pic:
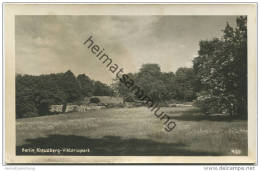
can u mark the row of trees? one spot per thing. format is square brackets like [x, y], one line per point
[160, 86]
[34, 94]
[217, 80]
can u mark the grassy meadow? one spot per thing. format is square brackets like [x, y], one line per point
[134, 131]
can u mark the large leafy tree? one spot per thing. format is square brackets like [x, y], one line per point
[25, 104]
[68, 83]
[101, 89]
[222, 69]
[34, 94]
[86, 85]
[171, 88]
[120, 89]
[149, 79]
[160, 86]
[185, 81]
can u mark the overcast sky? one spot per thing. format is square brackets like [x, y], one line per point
[52, 44]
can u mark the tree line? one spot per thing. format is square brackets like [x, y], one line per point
[158, 86]
[217, 81]
[34, 94]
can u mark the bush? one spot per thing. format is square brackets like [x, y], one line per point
[207, 103]
[94, 100]
[129, 99]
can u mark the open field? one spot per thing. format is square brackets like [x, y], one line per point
[134, 131]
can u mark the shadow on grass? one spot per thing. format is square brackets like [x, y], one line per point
[197, 115]
[108, 146]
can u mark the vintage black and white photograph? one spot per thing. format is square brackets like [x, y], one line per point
[131, 85]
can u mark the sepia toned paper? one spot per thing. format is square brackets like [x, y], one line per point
[54, 38]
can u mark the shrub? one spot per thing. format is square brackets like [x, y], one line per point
[129, 99]
[207, 103]
[94, 100]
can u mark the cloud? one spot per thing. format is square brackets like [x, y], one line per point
[47, 44]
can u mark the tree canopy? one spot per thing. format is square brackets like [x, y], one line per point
[222, 70]
[34, 94]
[160, 86]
